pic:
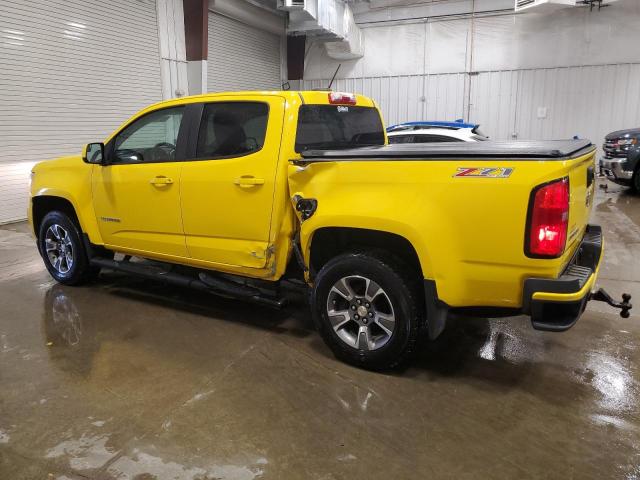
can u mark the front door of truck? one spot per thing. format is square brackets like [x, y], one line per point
[137, 195]
[227, 189]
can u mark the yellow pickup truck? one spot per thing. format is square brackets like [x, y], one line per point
[238, 193]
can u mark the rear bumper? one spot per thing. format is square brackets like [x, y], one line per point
[614, 170]
[556, 304]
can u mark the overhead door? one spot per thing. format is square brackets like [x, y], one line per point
[72, 71]
[241, 57]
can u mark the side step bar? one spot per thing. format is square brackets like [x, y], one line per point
[205, 282]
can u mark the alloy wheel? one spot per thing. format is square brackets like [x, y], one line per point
[59, 248]
[361, 313]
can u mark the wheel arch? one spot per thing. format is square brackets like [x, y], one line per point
[327, 242]
[43, 204]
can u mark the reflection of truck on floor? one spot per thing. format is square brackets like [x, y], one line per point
[236, 193]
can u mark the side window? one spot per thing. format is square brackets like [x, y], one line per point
[435, 139]
[232, 129]
[152, 138]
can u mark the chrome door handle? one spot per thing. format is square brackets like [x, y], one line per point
[248, 181]
[161, 180]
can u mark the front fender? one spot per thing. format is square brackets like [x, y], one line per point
[68, 178]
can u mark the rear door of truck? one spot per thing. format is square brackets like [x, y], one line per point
[227, 185]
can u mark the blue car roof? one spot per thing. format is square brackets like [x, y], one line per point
[456, 124]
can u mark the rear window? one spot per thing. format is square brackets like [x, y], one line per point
[322, 127]
[231, 129]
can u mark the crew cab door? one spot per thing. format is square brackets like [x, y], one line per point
[136, 196]
[227, 189]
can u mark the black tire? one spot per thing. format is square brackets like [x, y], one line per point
[79, 271]
[399, 290]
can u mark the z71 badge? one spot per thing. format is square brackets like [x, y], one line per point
[485, 172]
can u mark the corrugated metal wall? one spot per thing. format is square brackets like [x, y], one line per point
[550, 103]
[407, 97]
[241, 56]
[72, 71]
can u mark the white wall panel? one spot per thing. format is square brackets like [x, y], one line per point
[506, 41]
[568, 37]
[447, 46]
[405, 98]
[493, 100]
[241, 56]
[72, 71]
[14, 185]
[585, 101]
[444, 96]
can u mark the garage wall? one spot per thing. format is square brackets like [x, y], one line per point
[405, 97]
[525, 76]
[242, 56]
[72, 71]
[588, 101]
[488, 42]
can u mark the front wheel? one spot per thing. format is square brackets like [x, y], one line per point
[61, 248]
[367, 310]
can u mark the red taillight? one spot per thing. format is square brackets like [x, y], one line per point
[548, 220]
[338, 98]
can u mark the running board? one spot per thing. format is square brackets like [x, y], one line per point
[204, 282]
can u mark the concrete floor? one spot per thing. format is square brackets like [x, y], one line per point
[128, 380]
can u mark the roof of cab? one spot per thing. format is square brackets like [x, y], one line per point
[313, 97]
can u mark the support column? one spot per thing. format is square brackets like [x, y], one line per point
[196, 29]
[295, 57]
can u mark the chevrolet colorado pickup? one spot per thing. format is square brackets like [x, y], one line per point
[239, 193]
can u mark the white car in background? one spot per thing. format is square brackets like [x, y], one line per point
[430, 132]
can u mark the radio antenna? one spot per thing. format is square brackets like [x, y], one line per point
[334, 76]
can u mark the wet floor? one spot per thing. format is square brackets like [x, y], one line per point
[124, 379]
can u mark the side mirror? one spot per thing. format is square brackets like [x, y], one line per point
[93, 153]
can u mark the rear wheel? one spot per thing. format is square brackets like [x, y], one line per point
[367, 310]
[61, 248]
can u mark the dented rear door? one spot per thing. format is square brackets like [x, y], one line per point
[228, 187]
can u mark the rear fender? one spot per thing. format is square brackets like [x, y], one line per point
[314, 224]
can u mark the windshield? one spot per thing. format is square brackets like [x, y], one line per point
[322, 127]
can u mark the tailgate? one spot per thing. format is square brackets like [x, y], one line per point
[582, 191]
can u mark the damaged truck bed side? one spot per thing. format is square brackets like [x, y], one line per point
[259, 188]
[470, 211]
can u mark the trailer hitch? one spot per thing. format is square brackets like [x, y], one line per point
[602, 296]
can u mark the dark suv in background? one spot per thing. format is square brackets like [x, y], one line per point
[621, 162]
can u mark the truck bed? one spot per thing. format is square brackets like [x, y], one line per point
[512, 150]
